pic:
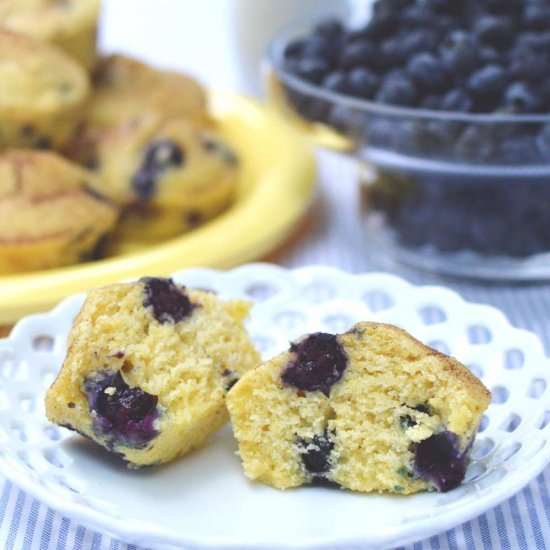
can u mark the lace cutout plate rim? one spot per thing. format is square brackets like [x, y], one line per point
[185, 504]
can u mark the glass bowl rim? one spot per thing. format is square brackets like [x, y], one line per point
[275, 60]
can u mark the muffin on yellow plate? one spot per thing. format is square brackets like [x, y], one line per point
[69, 24]
[168, 175]
[125, 89]
[42, 93]
[51, 214]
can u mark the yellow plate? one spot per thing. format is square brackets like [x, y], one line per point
[276, 188]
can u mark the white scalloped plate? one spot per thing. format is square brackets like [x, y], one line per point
[204, 501]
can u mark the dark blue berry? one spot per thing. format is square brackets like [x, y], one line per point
[543, 142]
[294, 49]
[359, 54]
[427, 72]
[520, 151]
[160, 155]
[536, 16]
[392, 54]
[487, 82]
[316, 453]
[336, 82]
[440, 461]
[168, 302]
[432, 102]
[362, 83]
[521, 98]
[123, 414]
[382, 24]
[397, 90]
[417, 42]
[329, 28]
[416, 16]
[473, 145]
[494, 31]
[529, 66]
[311, 69]
[490, 56]
[456, 100]
[319, 47]
[318, 362]
[459, 52]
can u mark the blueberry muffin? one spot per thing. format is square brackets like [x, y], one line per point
[69, 24]
[42, 93]
[369, 410]
[168, 175]
[126, 89]
[148, 367]
[51, 213]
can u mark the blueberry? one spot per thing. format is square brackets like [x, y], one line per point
[494, 31]
[317, 363]
[536, 16]
[336, 82]
[444, 6]
[534, 41]
[456, 100]
[529, 66]
[438, 460]
[381, 132]
[294, 49]
[123, 414]
[316, 453]
[432, 102]
[473, 145]
[427, 72]
[416, 16]
[383, 23]
[357, 54]
[490, 56]
[168, 302]
[459, 52]
[319, 47]
[329, 28]
[160, 155]
[417, 42]
[487, 82]
[520, 151]
[362, 83]
[521, 98]
[397, 90]
[392, 53]
[543, 142]
[311, 69]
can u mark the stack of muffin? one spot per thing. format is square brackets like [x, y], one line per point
[95, 150]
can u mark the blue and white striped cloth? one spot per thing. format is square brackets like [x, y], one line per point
[521, 523]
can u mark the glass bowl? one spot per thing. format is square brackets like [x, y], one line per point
[458, 194]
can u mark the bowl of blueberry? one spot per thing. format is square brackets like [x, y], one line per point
[446, 104]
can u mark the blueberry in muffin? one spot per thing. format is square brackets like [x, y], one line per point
[372, 409]
[148, 366]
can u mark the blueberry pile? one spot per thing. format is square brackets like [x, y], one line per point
[467, 56]
[454, 213]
